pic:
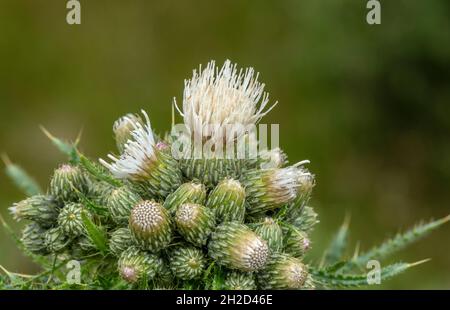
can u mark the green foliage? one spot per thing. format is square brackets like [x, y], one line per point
[21, 178]
[338, 245]
[400, 241]
[70, 149]
[328, 278]
[97, 171]
[96, 234]
[391, 246]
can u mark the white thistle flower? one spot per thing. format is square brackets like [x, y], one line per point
[221, 97]
[138, 152]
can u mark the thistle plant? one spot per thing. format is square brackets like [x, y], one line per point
[151, 217]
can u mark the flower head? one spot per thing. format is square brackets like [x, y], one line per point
[283, 272]
[187, 262]
[150, 225]
[225, 96]
[269, 189]
[235, 246]
[138, 151]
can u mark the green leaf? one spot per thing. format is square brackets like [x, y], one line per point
[328, 279]
[70, 149]
[97, 171]
[338, 245]
[399, 242]
[95, 208]
[21, 178]
[95, 233]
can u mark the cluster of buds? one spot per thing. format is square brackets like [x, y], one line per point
[172, 222]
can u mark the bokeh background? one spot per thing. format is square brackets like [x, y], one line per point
[368, 105]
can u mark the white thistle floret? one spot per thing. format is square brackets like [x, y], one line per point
[221, 97]
[138, 152]
[286, 182]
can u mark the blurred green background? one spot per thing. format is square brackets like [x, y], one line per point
[368, 105]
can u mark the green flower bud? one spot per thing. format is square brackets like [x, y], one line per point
[235, 246]
[239, 281]
[270, 189]
[192, 192]
[187, 262]
[123, 128]
[195, 223]
[119, 202]
[40, 209]
[33, 239]
[67, 181]
[306, 220]
[150, 225]
[270, 231]
[120, 240]
[297, 206]
[283, 272]
[55, 240]
[165, 278]
[135, 264]
[227, 200]
[70, 220]
[296, 242]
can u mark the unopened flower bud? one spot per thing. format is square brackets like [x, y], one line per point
[195, 223]
[67, 182]
[270, 231]
[187, 262]
[239, 281]
[191, 192]
[150, 225]
[135, 264]
[306, 219]
[165, 277]
[123, 128]
[228, 201]
[283, 272]
[235, 246]
[120, 240]
[40, 209]
[33, 239]
[269, 189]
[70, 219]
[119, 202]
[297, 242]
[55, 240]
